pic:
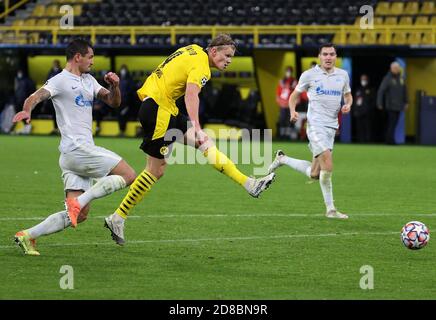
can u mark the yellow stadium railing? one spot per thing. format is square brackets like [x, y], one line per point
[384, 32]
[8, 9]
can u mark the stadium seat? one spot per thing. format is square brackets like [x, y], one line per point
[29, 22]
[414, 37]
[396, 8]
[406, 20]
[433, 20]
[390, 21]
[378, 21]
[383, 8]
[52, 11]
[18, 22]
[337, 39]
[39, 11]
[53, 22]
[77, 9]
[381, 39]
[369, 37]
[399, 38]
[43, 22]
[354, 37]
[411, 8]
[428, 38]
[421, 20]
[427, 7]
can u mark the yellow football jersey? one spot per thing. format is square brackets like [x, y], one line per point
[167, 83]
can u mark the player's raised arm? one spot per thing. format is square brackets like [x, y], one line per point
[111, 97]
[30, 103]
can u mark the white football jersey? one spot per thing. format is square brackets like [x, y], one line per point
[73, 99]
[325, 91]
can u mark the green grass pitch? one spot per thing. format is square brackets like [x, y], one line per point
[198, 235]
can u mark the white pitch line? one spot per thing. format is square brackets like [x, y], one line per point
[290, 215]
[42, 218]
[285, 236]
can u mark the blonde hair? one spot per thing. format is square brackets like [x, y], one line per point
[223, 39]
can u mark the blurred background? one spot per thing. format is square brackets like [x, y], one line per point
[277, 41]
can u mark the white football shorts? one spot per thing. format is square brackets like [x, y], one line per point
[87, 162]
[320, 139]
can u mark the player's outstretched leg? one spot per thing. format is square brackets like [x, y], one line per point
[226, 166]
[301, 166]
[26, 243]
[277, 161]
[26, 239]
[139, 188]
[105, 186]
[256, 186]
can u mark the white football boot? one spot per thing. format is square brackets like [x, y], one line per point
[277, 161]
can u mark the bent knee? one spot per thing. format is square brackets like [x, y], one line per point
[130, 177]
[160, 173]
[314, 174]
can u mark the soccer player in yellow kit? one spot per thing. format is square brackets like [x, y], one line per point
[184, 72]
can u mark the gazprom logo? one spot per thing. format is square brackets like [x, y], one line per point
[320, 90]
[81, 102]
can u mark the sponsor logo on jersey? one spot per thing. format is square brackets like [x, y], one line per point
[328, 92]
[81, 102]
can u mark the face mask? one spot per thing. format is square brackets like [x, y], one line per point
[19, 75]
[288, 74]
[123, 72]
[363, 83]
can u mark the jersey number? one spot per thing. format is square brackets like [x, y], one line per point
[189, 49]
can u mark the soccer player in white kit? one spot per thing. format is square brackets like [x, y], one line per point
[326, 85]
[72, 92]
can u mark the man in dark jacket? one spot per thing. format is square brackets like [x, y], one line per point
[392, 96]
[128, 108]
[363, 108]
[23, 87]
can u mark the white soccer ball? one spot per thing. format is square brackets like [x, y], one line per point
[415, 235]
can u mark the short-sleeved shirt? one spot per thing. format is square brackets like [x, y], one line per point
[325, 92]
[73, 98]
[167, 83]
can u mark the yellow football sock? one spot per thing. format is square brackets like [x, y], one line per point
[142, 184]
[224, 165]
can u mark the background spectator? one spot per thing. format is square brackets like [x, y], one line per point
[284, 89]
[363, 109]
[23, 87]
[127, 109]
[392, 97]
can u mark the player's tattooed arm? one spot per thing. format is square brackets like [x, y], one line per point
[30, 103]
[35, 98]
